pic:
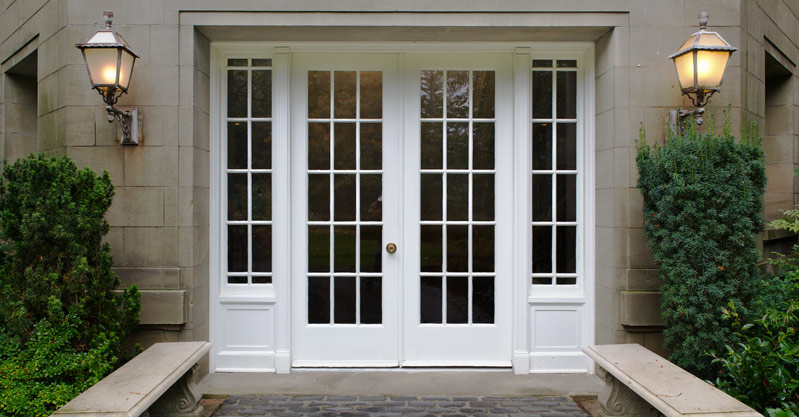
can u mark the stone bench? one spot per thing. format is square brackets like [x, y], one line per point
[161, 381]
[640, 383]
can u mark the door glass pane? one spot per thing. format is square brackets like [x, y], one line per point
[318, 300]
[456, 246]
[483, 304]
[237, 145]
[346, 175]
[262, 145]
[262, 93]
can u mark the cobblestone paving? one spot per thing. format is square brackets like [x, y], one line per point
[396, 406]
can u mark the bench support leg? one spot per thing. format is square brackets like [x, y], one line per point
[618, 400]
[182, 399]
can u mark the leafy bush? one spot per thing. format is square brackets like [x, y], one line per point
[61, 323]
[761, 367]
[702, 202]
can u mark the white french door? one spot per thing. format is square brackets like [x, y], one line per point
[401, 209]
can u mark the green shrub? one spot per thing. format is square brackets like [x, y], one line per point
[61, 323]
[702, 202]
[761, 366]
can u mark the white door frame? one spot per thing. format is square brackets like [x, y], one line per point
[269, 307]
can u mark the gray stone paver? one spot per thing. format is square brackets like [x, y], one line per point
[395, 406]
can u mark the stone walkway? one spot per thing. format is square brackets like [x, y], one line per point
[397, 406]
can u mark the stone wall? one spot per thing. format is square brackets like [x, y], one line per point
[160, 217]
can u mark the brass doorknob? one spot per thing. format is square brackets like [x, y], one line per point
[391, 248]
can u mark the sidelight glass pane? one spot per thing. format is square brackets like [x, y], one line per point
[567, 95]
[432, 88]
[567, 241]
[430, 248]
[432, 145]
[237, 145]
[371, 94]
[261, 196]
[542, 94]
[430, 289]
[261, 145]
[457, 197]
[371, 300]
[237, 62]
[483, 248]
[371, 248]
[457, 146]
[567, 146]
[318, 146]
[483, 94]
[457, 248]
[542, 146]
[542, 63]
[542, 198]
[237, 93]
[237, 280]
[371, 198]
[483, 300]
[237, 196]
[263, 62]
[457, 299]
[483, 146]
[344, 97]
[567, 63]
[458, 94]
[542, 249]
[483, 197]
[431, 197]
[237, 248]
[318, 94]
[318, 197]
[344, 147]
[567, 198]
[371, 146]
[262, 93]
[344, 300]
[261, 248]
[318, 300]
[344, 195]
[318, 249]
[344, 248]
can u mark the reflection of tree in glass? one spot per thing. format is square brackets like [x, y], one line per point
[483, 94]
[458, 94]
[344, 98]
[237, 93]
[318, 94]
[432, 86]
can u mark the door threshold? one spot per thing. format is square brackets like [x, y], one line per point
[406, 369]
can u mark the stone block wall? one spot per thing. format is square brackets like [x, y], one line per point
[160, 216]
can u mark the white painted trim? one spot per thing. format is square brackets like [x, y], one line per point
[279, 359]
[521, 204]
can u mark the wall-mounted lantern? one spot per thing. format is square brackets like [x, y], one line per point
[109, 60]
[701, 63]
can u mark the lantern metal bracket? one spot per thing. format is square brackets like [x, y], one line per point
[128, 123]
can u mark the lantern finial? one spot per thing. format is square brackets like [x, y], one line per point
[108, 18]
[703, 20]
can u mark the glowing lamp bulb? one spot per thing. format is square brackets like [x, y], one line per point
[109, 75]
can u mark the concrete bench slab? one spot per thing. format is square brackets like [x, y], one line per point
[162, 379]
[638, 381]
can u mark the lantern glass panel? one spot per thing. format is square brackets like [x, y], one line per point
[710, 39]
[125, 68]
[102, 64]
[102, 37]
[688, 43]
[710, 67]
[685, 70]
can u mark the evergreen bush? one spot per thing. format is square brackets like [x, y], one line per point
[702, 202]
[61, 322]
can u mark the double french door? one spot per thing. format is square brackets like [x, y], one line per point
[401, 199]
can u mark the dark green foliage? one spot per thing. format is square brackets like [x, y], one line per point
[61, 324]
[702, 203]
[761, 366]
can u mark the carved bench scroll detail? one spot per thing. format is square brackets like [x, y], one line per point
[618, 400]
[181, 399]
